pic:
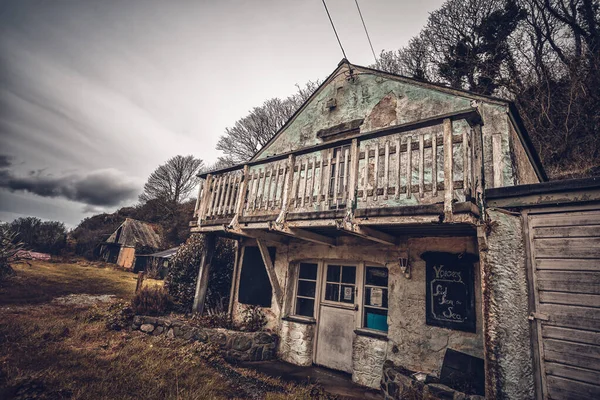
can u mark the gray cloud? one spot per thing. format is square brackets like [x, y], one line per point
[5, 161]
[105, 187]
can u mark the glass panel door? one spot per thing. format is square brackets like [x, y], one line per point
[340, 283]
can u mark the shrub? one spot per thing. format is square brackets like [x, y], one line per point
[9, 247]
[151, 301]
[183, 272]
[253, 319]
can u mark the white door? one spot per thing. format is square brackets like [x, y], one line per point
[337, 313]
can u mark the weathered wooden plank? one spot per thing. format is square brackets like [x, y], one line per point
[569, 281]
[434, 168]
[567, 389]
[497, 160]
[230, 180]
[575, 299]
[336, 181]
[566, 219]
[206, 196]
[574, 335]
[278, 176]
[345, 178]
[567, 247]
[319, 183]
[219, 183]
[576, 354]
[242, 192]
[575, 373]
[376, 173]
[448, 170]
[328, 178]
[567, 231]
[353, 177]
[408, 168]
[304, 184]
[366, 174]
[398, 169]
[571, 316]
[572, 264]
[386, 170]
[421, 165]
[312, 182]
[297, 185]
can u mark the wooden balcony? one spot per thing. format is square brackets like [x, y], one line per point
[424, 172]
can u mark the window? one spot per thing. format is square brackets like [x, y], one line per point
[255, 286]
[306, 290]
[376, 298]
[340, 283]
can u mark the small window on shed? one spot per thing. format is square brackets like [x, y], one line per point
[255, 287]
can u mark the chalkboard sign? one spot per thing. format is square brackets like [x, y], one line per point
[450, 290]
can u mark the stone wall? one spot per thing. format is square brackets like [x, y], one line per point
[509, 371]
[368, 356]
[296, 345]
[398, 383]
[240, 346]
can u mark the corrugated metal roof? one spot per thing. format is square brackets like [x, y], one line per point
[164, 254]
[135, 233]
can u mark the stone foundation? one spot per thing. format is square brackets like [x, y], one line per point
[236, 346]
[368, 356]
[297, 342]
[397, 383]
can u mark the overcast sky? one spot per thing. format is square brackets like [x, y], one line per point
[94, 95]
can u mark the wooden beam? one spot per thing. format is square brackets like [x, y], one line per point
[256, 234]
[366, 232]
[203, 273]
[448, 170]
[264, 252]
[303, 234]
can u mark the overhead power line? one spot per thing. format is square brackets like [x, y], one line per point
[334, 31]
[366, 32]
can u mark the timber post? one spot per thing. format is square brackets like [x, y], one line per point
[203, 273]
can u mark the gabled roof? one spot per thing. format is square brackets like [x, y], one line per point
[344, 66]
[135, 233]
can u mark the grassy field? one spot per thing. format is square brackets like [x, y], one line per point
[50, 350]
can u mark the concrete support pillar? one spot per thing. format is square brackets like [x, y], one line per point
[508, 357]
[203, 273]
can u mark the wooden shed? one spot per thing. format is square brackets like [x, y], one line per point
[121, 246]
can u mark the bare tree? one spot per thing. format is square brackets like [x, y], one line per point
[173, 181]
[250, 133]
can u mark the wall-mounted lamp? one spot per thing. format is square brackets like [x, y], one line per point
[404, 265]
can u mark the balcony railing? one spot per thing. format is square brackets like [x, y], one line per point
[437, 160]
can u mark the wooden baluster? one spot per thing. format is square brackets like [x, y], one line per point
[399, 167]
[263, 190]
[269, 189]
[275, 190]
[215, 206]
[408, 167]
[376, 172]
[421, 165]
[235, 193]
[284, 174]
[319, 183]
[386, 170]
[470, 156]
[366, 180]
[250, 185]
[228, 185]
[297, 184]
[465, 148]
[448, 170]
[336, 182]
[312, 181]
[256, 189]
[434, 170]
[304, 183]
[353, 174]
[345, 178]
[328, 178]
[242, 191]
[206, 195]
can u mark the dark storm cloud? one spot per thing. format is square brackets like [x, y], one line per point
[107, 187]
[5, 161]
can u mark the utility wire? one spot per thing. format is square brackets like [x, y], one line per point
[365, 26]
[334, 31]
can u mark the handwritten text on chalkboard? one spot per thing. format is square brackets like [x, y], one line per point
[450, 291]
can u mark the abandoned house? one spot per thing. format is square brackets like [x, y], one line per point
[366, 236]
[131, 235]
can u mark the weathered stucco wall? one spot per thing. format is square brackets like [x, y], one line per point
[507, 336]
[411, 343]
[368, 356]
[384, 101]
[523, 170]
[296, 344]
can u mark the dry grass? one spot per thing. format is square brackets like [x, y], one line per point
[53, 351]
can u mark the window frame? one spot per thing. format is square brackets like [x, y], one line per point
[363, 304]
[297, 284]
